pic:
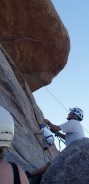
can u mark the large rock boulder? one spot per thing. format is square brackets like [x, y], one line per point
[35, 38]
[20, 102]
[34, 48]
[70, 166]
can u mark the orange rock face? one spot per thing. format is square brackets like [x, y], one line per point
[35, 38]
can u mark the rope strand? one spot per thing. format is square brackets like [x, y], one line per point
[56, 99]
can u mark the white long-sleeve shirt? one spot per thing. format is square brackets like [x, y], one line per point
[73, 130]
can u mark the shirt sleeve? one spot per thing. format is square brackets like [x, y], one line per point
[67, 127]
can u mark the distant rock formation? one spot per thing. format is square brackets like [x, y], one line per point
[71, 165]
[35, 38]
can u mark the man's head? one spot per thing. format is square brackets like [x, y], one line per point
[76, 113]
[6, 128]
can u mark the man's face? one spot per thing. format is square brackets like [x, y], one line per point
[70, 115]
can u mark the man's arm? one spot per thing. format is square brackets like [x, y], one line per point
[41, 170]
[58, 134]
[53, 128]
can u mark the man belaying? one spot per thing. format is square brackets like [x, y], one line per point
[72, 128]
[73, 131]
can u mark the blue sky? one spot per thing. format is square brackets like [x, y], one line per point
[71, 85]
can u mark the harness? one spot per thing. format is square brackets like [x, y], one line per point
[48, 137]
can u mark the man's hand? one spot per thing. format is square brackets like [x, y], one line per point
[47, 122]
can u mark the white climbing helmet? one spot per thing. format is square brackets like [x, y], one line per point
[79, 113]
[6, 128]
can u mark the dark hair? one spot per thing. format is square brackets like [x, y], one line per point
[2, 149]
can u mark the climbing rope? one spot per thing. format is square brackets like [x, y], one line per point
[44, 156]
[56, 99]
[60, 140]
